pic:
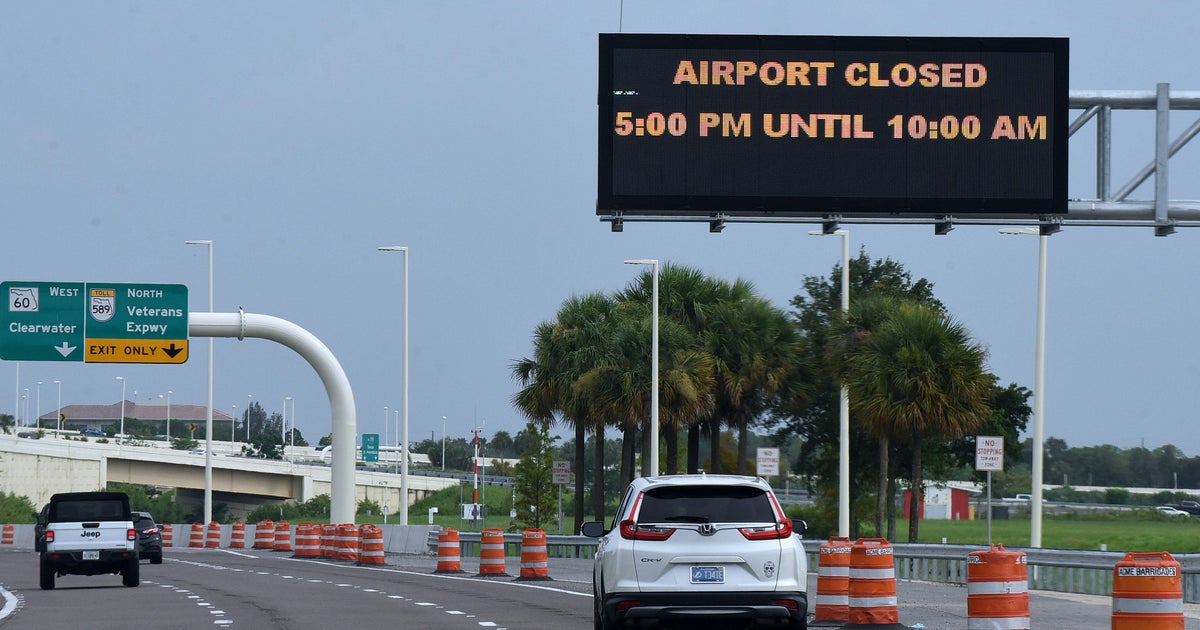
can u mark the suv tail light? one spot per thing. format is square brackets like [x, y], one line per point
[131, 534]
[49, 535]
[150, 531]
[782, 529]
[632, 531]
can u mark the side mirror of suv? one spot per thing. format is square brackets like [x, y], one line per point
[799, 526]
[592, 529]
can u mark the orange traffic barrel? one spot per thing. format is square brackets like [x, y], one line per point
[167, 535]
[534, 561]
[308, 541]
[449, 552]
[372, 545]
[491, 552]
[6, 538]
[872, 588]
[997, 590]
[264, 535]
[1147, 592]
[197, 537]
[329, 540]
[347, 542]
[283, 536]
[237, 537]
[833, 580]
[214, 535]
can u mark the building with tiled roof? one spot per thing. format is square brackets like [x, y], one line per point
[100, 417]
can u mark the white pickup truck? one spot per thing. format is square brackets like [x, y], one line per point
[87, 533]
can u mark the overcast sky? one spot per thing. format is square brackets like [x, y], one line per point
[300, 136]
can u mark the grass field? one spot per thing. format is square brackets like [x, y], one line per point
[1136, 531]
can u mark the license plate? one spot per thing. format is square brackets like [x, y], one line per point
[91, 555]
[708, 575]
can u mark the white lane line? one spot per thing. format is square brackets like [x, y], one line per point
[238, 553]
[10, 603]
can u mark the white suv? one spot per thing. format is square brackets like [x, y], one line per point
[695, 547]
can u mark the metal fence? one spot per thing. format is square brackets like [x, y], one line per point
[1061, 570]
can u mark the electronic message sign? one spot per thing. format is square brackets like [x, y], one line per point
[745, 125]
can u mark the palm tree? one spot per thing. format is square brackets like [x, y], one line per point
[619, 386]
[920, 375]
[563, 350]
[756, 349]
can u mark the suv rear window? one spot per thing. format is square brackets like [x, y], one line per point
[705, 504]
[88, 510]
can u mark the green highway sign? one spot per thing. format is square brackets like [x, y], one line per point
[94, 322]
[43, 321]
[370, 447]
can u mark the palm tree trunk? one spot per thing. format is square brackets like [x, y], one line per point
[598, 480]
[882, 487]
[714, 439]
[918, 493]
[580, 473]
[693, 448]
[671, 435]
[743, 462]
[627, 447]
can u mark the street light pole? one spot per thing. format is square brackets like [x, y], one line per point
[169, 392]
[38, 422]
[843, 401]
[397, 432]
[208, 425]
[387, 417]
[443, 443]
[1039, 388]
[248, 398]
[653, 365]
[403, 507]
[121, 437]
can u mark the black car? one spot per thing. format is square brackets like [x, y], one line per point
[149, 537]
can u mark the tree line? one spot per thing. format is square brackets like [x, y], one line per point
[730, 361]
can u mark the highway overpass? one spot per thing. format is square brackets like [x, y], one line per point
[38, 468]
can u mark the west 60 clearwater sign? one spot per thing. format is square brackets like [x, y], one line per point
[94, 322]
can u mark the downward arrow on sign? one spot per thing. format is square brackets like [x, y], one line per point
[172, 350]
[64, 349]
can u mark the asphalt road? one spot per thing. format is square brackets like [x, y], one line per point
[219, 588]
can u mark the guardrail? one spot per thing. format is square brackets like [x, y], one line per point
[1060, 570]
